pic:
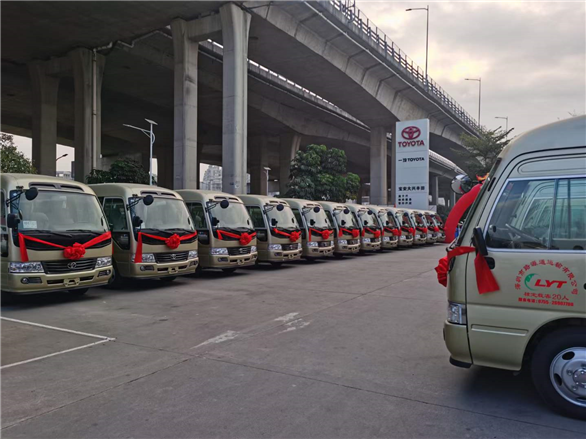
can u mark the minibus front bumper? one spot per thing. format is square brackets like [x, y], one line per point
[318, 251]
[33, 283]
[280, 255]
[406, 241]
[145, 270]
[431, 238]
[420, 239]
[390, 242]
[456, 339]
[372, 245]
[347, 246]
[232, 261]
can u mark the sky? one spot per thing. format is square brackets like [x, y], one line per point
[531, 57]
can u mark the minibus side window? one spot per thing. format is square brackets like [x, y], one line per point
[299, 221]
[4, 243]
[199, 221]
[116, 214]
[569, 219]
[258, 222]
[330, 218]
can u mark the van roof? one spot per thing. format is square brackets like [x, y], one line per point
[567, 133]
[105, 189]
[250, 198]
[332, 205]
[10, 181]
[188, 194]
[298, 202]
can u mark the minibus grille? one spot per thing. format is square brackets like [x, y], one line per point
[287, 247]
[60, 267]
[325, 243]
[235, 251]
[165, 258]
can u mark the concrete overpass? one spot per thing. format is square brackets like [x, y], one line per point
[142, 68]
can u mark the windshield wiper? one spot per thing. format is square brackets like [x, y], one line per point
[179, 229]
[84, 231]
[51, 232]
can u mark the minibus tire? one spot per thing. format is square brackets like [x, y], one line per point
[8, 298]
[116, 281]
[78, 292]
[545, 352]
[168, 278]
[228, 270]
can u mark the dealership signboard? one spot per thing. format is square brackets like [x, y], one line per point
[412, 164]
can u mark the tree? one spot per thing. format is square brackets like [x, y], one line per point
[484, 149]
[319, 173]
[12, 160]
[124, 170]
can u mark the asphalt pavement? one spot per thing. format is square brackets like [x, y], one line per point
[329, 349]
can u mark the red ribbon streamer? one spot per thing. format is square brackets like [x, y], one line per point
[324, 234]
[409, 230]
[172, 242]
[458, 211]
[293, 236]
[355, 233]
[422, 229]
[435, 229]
[376, 233]
[485, 280]
[73, 252]
[243, 238]
[393, 230]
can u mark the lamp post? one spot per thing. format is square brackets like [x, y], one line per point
[61, 156]
[151, 136]
[506, 118]
[426, 38]
[479, 93]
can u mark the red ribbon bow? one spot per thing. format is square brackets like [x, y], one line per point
[409, 230]
[435, 229]
[172, 242]
[325, 234]
[354, 232]
[73, 252]
[243, 238]
[293, 236]
[394, 231]
[422, 229]
[485, 280]
[376, 233]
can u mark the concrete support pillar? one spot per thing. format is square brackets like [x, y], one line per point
[235, 27]
[290, 144]
[434, 188]
[378, 165]
[394, 189]
[259, 161]
[88, 71]
[164, 168]
[45, 89]
[452, 199]
[360, 194]
[186, 51]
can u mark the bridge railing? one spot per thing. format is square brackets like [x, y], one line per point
[379, 39]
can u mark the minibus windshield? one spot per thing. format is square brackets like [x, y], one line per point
[369, 219]
[283, 219]
[418, 219]
[390, 220]
[60, 211]
[430, 220]
[405, 219]
[235, 216]
[316, 219]
[168, 214]
[438, 220]
[345, 219]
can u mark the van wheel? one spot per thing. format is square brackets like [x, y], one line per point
[8, 298]
[228, 270]
[79, 291]
[168, 278]
[116, 281]
[558, 369]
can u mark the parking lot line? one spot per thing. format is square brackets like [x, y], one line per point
[54, 328]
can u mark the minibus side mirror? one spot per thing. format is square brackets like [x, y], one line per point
[274, 222]
[31, 193]
[136, 221]
[312, 222]
[148, 200]
[479, 242]
[346, 211]
[215, 222]
[224, 204]
[370, 212]
[12, 220]
[316, 209]
[343, 222]
[280, 207]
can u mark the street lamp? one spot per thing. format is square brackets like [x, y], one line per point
[506, 118]
[61, 156]
[426, 37]
[479, 93]
[151, 136]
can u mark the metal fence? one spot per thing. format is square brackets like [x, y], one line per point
[370, 32]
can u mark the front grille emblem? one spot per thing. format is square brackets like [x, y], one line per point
[72, 265]
[173, 256]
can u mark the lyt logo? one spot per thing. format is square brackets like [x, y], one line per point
[543, 283]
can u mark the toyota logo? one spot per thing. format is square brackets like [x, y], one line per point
[173, 256]
[72, 265]
[411, 133]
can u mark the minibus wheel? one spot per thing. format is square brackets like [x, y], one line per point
[78, 292]
[168, 278]
[116, 281]
[228, 270]
[558, 369]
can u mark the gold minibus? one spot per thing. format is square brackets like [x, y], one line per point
[153, 234]
[370, 234]
[389, 226]
[439, 225]
[432, 229]
[520, 302]
[227, 238]
[406, 225]
[278, 234]
[418, 220]
[346, 229]
[54, 236]
[316, 230]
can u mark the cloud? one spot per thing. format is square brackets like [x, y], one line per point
[531, 55]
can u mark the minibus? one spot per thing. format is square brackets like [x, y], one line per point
[404, 221]
[278, 235]
[439, 225]
[417, 218]
[227, 239]
[346, 229]
[54, 236]
[152, 232]
[391, 231]
[520, 302]
[317, 232]
[370, 234]
[432, 228]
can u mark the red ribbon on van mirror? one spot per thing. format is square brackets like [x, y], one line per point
[73, 252]
[243, 238]
[485, 280]
[293, 236]
[172, 242]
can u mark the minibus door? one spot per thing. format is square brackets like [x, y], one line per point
[260, 227]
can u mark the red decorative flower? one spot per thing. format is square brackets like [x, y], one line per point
[75, 252]
[442, 271]
[294, 236]
[245, 238]
[173, 241]
[376, 233]
[325, 234]
[355, 233]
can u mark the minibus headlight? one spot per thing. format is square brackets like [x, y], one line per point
[402, 237]
[253, 249]
[104, 262]
[365, 239]
[146, 257]
[456, 313]
[192, 254]
[312, 244]
[342, 241]
[275, 247]
[219, 251]
[25, 267]
[386, 238]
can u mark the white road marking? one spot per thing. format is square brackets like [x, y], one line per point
[296, 324]
[287, 317]
[54, 328]
[228, 335]
[56, 353]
